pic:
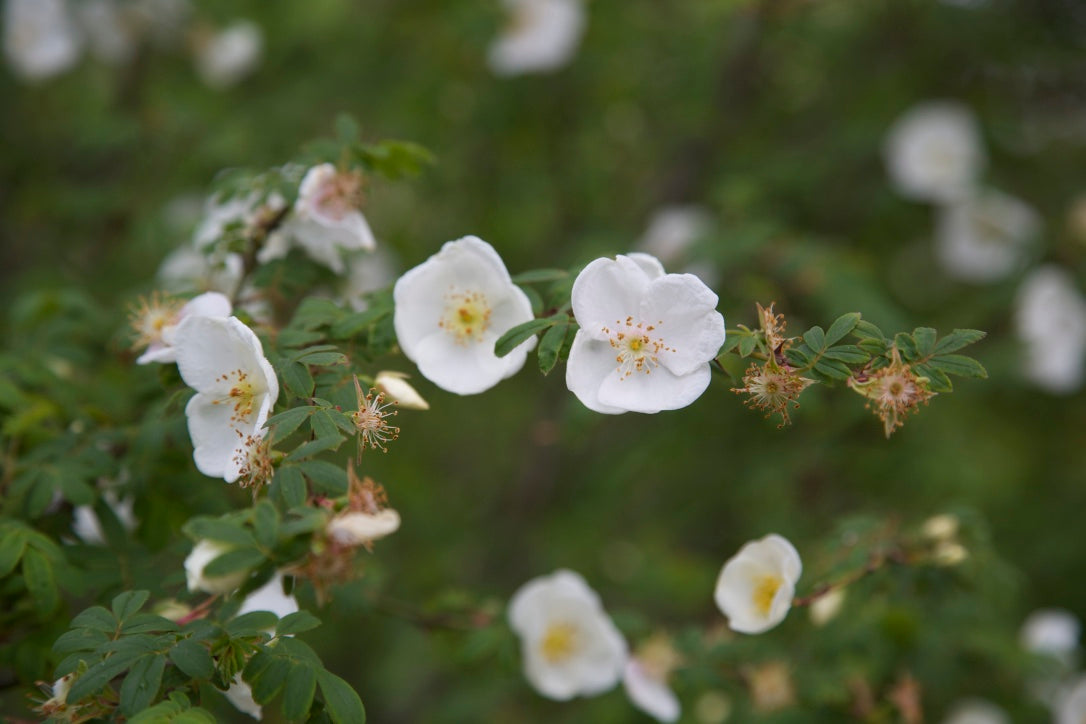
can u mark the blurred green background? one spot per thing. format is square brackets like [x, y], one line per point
[771, 116]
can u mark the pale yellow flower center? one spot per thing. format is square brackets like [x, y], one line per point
[638, 349]
[241, 396]
[765, 590]
[466, 316]
[559, 642]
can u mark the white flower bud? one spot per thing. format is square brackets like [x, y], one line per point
[396, 388]
[203, 553]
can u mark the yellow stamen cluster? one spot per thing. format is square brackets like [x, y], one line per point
[374, 432]
[466, 316]
[559, 642]
[241, 396]
[772, 388]
[892, 392]
[638, 350]
[254, 462]
[765, 589]
[150, 316]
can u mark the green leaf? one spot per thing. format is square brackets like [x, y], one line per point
[142, 683]
[271, 680]
[95, 678]
[841, 327]
[730, 343]
[815, 338]
[12, 545]
[867, 330]
[340, 700]
[80, 639]
[355, 322]
[325, 476]
[266, 523]
[193, 659]
[238, 559]
[296, 623]
[324, 426]
[937, 379]
[297, 379]
[540, 275]
[299, 691]
[958, 339]
[127, 603]
[518, 334]
[833, 369]
[289, 483]
[906, 345]
[960, 365]
[284, 423]
[875, 347]
[313, 447]
[550, 347]
[321, 358]
[847, 353]
[746, 345]
[217, 529]
[147, 623]
[251, 623]
[347, 130]
[925, 341]
[40, 581]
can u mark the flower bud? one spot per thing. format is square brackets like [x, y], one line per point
[203, 553]
[397, 389]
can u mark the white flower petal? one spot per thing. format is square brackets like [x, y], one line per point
[270, 597]
[606, 292]
[756, 585]
[654, 392]
[986, 236]
[543, 36]
[240, 695]
[357, 528]
[694, 329]
[933, 152]
[203, 553]
[40, 38]
[590, 362]
[650, 695]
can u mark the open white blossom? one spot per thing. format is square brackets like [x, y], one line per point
[327, 218]
[1051, 323]
[645, 679]
[226, 57]
[203, 553]
[87, 526]
[355, 528]
[934, 152]
[223, 361]
[270, 597]
[646, 337]
[569, 645]
[976, 711]
[985, 236]
[452, 308]
[756, 585]
[240, 695]
[160, 332]
[40, 38]
[1052, 632]
[542, 36]
[826, 607]
[1071, 706]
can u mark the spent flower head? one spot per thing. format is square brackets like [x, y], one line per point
[371, 419]
[892, 391]
[772, 388]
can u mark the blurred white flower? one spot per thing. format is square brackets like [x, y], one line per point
[1051, 323]
[396, 388]
[1053, 632]
[270, 597]
[240, 695]
[672, 230]
[225, 58]
[645, 679]
[366, 272]
[356, 528]
[452, 308]
[1071, 706]
[223, 361]
[40, 38]
[942, 527]
[976, 711]
[826, 607]
[756, 585]
[542, 36]
[112, 33]
[934, 153]
[569, 645]
[88, 528]
[159, 331]
[241, 213]
[985, 236]
[203, 553]
[646, 337]
[327, 221]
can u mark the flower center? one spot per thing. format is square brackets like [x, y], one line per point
[559, 642]
[637, 348]
[241, 395]
[466, 316]
[765, 589]
[339, 195]
[151, 316]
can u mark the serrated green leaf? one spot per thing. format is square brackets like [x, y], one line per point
[271, 680]
[299, 691]
[147, 623]
[296, 623]
[324, 426]
[141, 684]
[925, 341]
[40, 581]
[340, 700]
[219, 530]
[519, 334]
[297, 649]
[285, 423]
[193, 659]
[252, 623]
[232, 561]
[355, 322]
[550, 347]
[730, 343]
[266, 523]
[906, 345]
[95, 678]
[958, 339]
[841, 327]
[325, 476]
[876, 347]
[867, 330]
[833, 369]
[297, 379]
[799, 356]
[746, 345]
[289, 485]
[847, 353]
[12, 545]
[80, 639]
[306, 521]
[540, 275]
[311, 448]
[322, 359]
[960, 365]
[937, 379]
[815, 338]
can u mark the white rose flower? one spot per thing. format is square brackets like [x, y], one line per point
[646, 337]
[355, 528]
[826, 607]
[570, 646]
[203, 553]
[160, 333]
[270, 597]
[228, 56]
[1071, 707]
[40, 38]
[327, 221]
[240, 695]
[452, 308]
[934, 153]
[985, 237]
[756, 585]
[1051, 322]
[542, 36]
[1052, 632]
[223, 361]
[976, 711]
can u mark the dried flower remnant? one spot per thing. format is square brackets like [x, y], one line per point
[374, 432]
[773, 328]
[771, 687]
[892, 391]
[253, 461]
[772, 388]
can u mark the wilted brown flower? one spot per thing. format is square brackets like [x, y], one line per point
[893, 391]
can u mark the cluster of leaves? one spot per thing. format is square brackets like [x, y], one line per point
[553, 321]
[159, 658]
